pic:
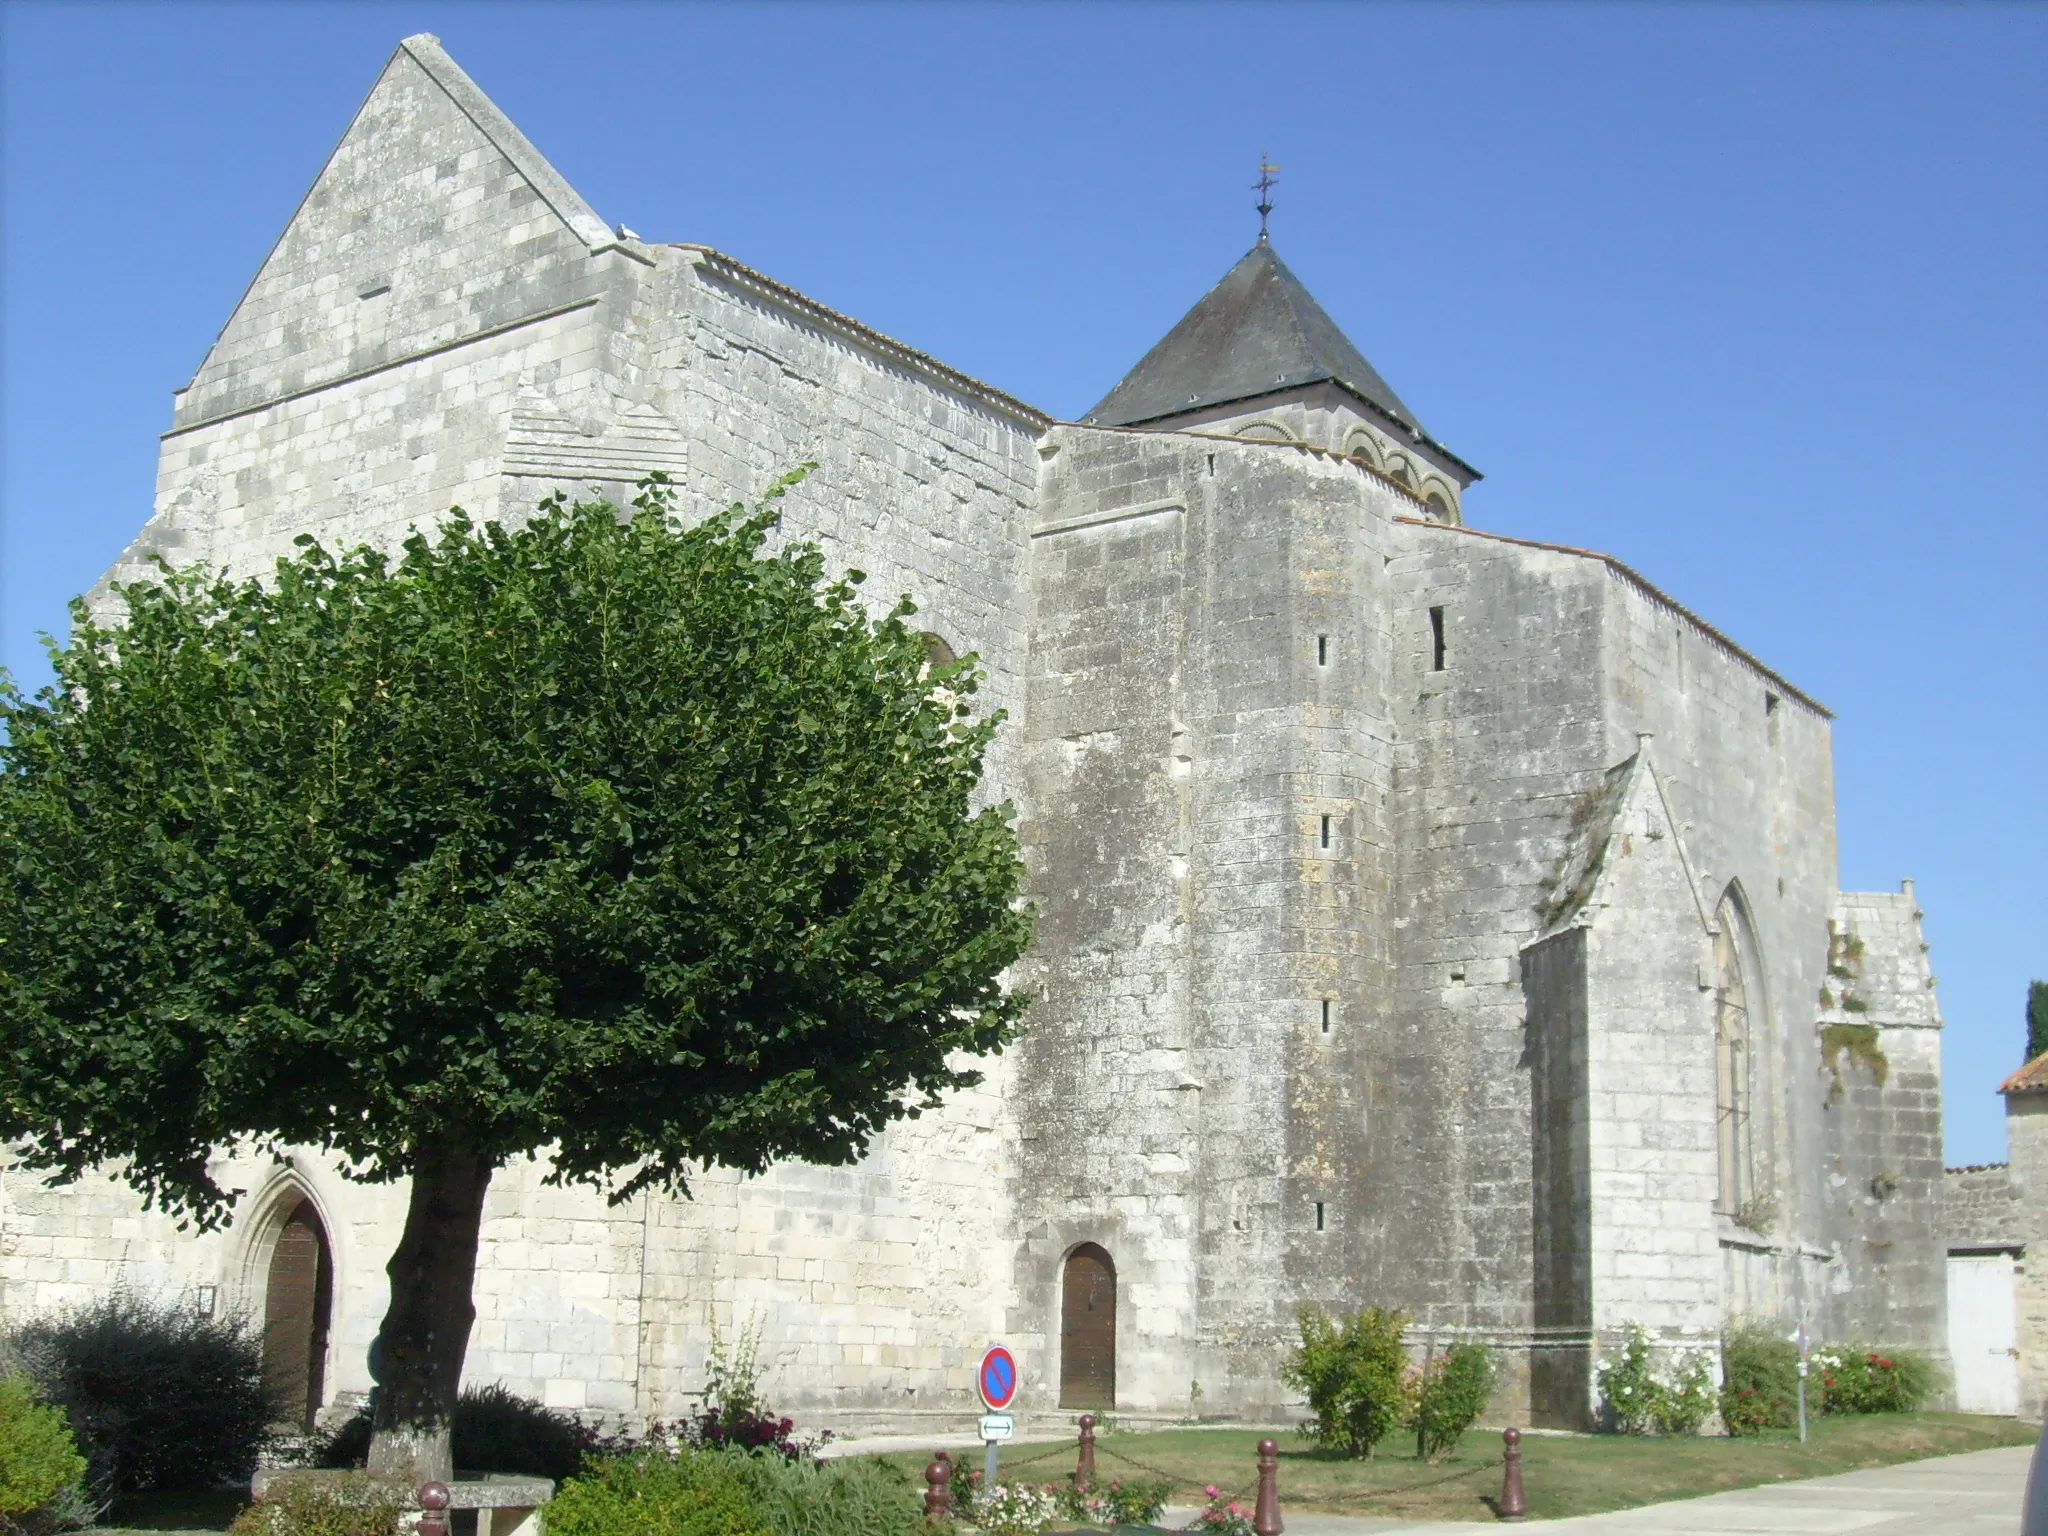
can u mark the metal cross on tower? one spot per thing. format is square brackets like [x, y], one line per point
[1264, 187]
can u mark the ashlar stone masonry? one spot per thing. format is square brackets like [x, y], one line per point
[1430, 918]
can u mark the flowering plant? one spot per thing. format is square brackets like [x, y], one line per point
[1224, 1516]
[1628, 1386]
[1686, 1399]
[1856, 1380]
[1013, 1509]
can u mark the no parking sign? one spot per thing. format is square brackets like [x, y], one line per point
[996, 1381]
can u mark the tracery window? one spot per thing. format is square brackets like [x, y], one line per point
[1740, 1118]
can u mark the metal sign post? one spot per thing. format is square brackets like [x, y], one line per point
[996, 1381]
[1799, 1338]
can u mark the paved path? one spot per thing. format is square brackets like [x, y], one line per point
[1976, 1494]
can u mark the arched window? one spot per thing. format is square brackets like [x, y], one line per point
[1439, 508]
[1741, 1110]
[1359, 445]
[1088, 1330]
[298, 1305]
[1263, 432]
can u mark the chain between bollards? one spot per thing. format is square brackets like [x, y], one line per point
[1512, 1506]
[1084, 1468]
[433, 1509]
[1266, 1513]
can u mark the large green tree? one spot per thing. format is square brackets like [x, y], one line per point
[636, 843]
[2037, 1018]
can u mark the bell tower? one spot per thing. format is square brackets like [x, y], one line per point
[1258, 358]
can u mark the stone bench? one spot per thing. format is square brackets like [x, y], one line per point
[503, 1503]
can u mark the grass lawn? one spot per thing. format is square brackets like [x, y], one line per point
[1562, 1475]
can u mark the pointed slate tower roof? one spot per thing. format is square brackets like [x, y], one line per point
[1256, 332]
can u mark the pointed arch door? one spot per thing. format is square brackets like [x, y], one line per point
[298, 1306]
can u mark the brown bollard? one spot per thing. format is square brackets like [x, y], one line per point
[938, 1498]
[1266, 1513]
[433, 1509]
[1512, 1505]
[1084, 1469]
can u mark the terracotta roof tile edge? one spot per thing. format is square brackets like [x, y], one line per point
[924, 362]
[1976, 1168]
[2032, 1078]
[1641, 584]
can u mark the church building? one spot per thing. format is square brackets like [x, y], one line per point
[1428, 918]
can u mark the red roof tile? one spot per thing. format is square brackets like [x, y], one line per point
[2032, 1078]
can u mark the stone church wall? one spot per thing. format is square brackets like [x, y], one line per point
[506, 357]
[1496, 746]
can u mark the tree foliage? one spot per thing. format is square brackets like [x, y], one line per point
[603, 833]
[2037, 1018]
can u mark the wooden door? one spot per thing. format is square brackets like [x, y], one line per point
[1088, 1330]
[297, 1304]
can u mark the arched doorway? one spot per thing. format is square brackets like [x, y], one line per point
[1088, 1330]
[298, 1305]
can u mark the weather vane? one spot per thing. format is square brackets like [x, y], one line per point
[1264, 187]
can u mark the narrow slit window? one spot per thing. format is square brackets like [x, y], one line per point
[1319, 1215]
[1212, 464]
[1326, 1015]
[1436, 639]
[1322, 650]
[1325, 834]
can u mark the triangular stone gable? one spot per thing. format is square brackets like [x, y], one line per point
[1622, 828]
[433, 220]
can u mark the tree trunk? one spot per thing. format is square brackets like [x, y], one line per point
[426, 1331]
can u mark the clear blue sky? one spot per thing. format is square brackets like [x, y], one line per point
[1754, 297]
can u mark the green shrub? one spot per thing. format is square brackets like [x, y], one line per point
[653, 1493]
[494, 1430]
[157, 1395]
[38, 1458]
[1354, 1373]
[850, 1497]
[1854, 1379]
[1454, 1391]
[1133, 1501]
[1759, 1380]
[1628, 1386]
[356, 1506]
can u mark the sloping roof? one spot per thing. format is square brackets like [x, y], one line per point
[1255, 332]
[1586, 843]
[2032, 1078]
